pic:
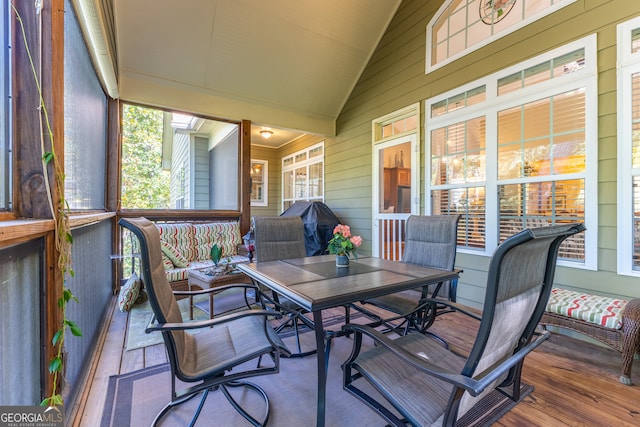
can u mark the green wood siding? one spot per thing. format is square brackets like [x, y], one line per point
[274, 179]
[395, 78]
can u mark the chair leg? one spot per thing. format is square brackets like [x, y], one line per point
[630, 338]
[240, 409]
[197, 414]
[176, 402]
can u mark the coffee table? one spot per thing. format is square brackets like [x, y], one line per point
[204, 278]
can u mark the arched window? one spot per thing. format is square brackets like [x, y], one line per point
[462, 26]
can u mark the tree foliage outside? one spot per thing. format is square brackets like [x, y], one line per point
[145, 185]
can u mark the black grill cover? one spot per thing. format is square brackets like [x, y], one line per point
[319, 222]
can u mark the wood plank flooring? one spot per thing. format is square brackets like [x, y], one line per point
[576, 383]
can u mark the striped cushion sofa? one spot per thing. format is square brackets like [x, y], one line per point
[187, 246]
[614, 322]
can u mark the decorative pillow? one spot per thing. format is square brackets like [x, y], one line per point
[168, 265]
[174, 255]
[129, 293]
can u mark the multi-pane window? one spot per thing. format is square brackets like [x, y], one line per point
[629, 148]
[5, 108]
[462, 26]
[303, 176]
[458, 167]
[521, 154]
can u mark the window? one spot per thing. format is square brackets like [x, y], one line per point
[462, 26]
[259, 183]
[518, 150]
[303, 176]
[178, 161]
[629, 148]
[5, 109]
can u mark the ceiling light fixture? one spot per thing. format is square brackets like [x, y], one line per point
[266, 133]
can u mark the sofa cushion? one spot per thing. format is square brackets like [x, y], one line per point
[595, 309]
[181, 237]
[225, 234]
[174, 255]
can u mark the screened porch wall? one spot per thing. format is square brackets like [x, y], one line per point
[20, 323]
[92, 284]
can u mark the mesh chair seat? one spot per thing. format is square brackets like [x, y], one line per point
[242, 342]
[399, 302]
[423, 399]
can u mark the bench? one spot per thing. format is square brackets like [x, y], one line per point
[613, 322]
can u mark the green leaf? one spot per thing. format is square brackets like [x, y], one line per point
[47, 157]
[69, 238]
[56, 337]
[216, 254]
[67, 295]
[75, 330]
[54, 400]
[55, 365]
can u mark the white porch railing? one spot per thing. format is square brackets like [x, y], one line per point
[391, 229]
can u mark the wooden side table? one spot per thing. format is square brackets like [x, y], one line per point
[200, 278]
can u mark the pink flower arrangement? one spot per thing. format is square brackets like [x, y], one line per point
[343, 243]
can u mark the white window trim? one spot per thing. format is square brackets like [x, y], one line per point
[628, 64]
[265, 184]
[308, 161]
[586, 77]
[432, 67]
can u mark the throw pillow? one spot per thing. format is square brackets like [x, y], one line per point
[129, 293]
[174, 255]
[168, 265]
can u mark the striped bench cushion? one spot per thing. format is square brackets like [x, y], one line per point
[595, 309]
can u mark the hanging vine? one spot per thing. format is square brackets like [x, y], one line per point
[62, 230]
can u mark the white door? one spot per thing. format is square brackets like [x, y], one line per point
[395, 193]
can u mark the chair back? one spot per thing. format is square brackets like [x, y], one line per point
[279, 237]
[519, 283]
[163, 302]
[431, 241]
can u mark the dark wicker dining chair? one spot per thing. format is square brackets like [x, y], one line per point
[430, 241]
[279, 238]
[428, 384]
[210, 359]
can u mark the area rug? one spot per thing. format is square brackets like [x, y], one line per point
[134, 399]
[141, 314]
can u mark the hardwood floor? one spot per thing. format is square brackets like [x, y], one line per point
[576, 383]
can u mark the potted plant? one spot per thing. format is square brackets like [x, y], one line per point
[343, 245]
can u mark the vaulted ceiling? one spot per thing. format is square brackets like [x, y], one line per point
[287, 64]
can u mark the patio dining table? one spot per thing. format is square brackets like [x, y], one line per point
[316, 284]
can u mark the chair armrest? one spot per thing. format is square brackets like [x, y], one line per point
[163, 327]
[216, 289]
[473, 386]
[453, 305]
